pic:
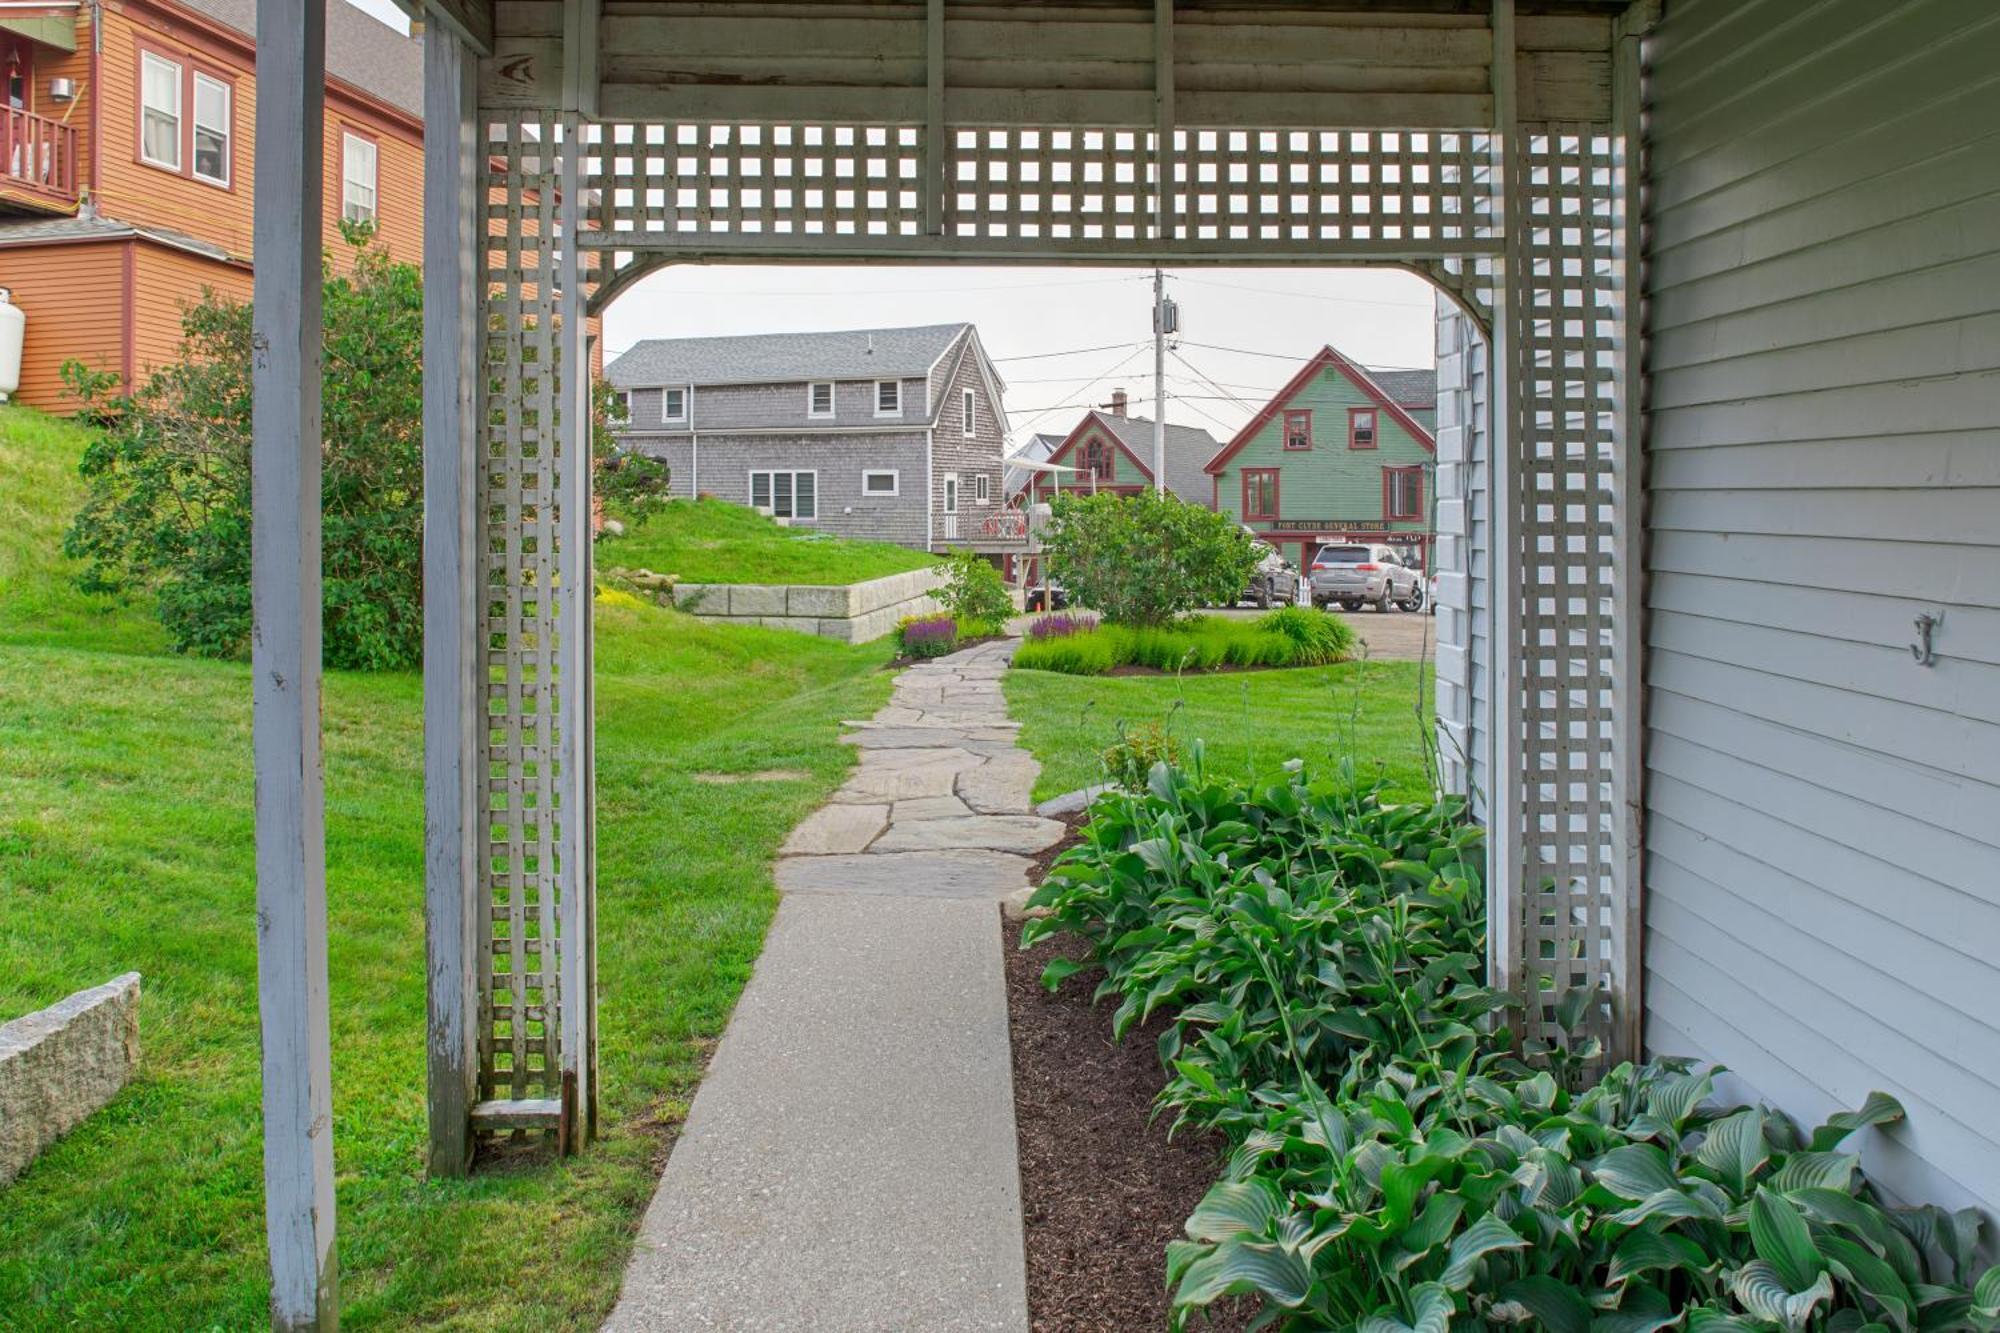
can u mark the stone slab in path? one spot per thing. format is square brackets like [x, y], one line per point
[836, 828]
[961, 873]
[1026, 834]
[849, 1163]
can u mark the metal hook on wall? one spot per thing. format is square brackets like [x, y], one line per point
[1922, 650]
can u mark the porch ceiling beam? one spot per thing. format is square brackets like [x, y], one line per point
[471, 21]
[292, 994]
[1163, 131]
[935, 154]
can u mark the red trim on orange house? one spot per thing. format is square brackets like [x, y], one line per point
[128, 317]
[1277, 481]
[1388, 516]
[1355, 375]
[1354, 414]
[1305, 416]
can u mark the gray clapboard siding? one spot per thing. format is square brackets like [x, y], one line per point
[1462, 716]
[1823, 852]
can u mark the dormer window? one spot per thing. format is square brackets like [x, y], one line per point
[673, 405]
[888, 398]
[819, 399]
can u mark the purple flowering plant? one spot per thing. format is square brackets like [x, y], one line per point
[1060, 625]
[928, 636]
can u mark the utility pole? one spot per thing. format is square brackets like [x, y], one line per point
[1166, 319]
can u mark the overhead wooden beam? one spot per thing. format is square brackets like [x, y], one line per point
[452, 697]
[471, 21]
[285, 665]
[1163, 136]
[579, 60]
[936, 150]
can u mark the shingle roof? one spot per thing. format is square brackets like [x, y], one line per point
[1188, 449]
[781, 358]
[88, 227]
[1034, 449]
[1408, 388]
[360, 49]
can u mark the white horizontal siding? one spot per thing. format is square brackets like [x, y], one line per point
[1823, 814]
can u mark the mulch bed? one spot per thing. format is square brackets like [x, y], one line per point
[1102, 1188]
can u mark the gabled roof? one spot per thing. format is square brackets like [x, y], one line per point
[361, 50]
[1414, 389]
[1036, 449]
[1356, 374]
[1187, 447]
[784, 358]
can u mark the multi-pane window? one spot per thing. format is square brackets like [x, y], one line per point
[1260, 492]
[888, 398]
[160, 111]
[211, 129]
[1402, 492]
[357, 178]
[982, 489]
[951, 492]
[971, 408]
[786, 494]
[1299, 430]
[1097, 460]
[1361, 428]
[673, 404]
[819, 399]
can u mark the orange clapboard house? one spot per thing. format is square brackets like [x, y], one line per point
[127, 165]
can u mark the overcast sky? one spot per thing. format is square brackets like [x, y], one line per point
[1064, 338]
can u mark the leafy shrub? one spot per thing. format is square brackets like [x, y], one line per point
[1128, 761]
[973, 590]
[1318, 637]
[1394, 1168]
[1060, 625]
[926, 636]
[635, 483]
[1144, 559]
[166, 506]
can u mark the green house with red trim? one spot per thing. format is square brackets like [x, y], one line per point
[1341, 453]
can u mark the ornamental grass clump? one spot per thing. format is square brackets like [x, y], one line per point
[1292, 637]
[926, 636]
[1319, 956]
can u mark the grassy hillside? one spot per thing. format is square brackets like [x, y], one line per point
[125, 843]
[711, 541]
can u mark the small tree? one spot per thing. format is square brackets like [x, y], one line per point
[634, 482]
[1144, 559]
[973, 591]
[166, 504]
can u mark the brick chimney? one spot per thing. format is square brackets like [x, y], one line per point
[1118, 402]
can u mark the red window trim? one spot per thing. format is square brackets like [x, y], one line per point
[1374, 428]
[190, 65]
[1292, 414]
[1277, 482]
[1388, 490]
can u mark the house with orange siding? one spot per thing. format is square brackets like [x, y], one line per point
[128, 162]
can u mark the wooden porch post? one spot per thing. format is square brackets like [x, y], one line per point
[452, 696]
[285, 665]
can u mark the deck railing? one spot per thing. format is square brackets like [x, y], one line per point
[39, 153]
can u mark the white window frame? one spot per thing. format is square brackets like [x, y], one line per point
[771, 490]
[895, 477]
[178, 114]
[982, 492]
[226, 130]
[895, 411]
[832, 401]
[971, 414]
[668, 417]
[350, 183]
[951, 492]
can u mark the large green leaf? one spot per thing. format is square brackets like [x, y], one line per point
[1431, 1308]
[1645, 1251]
[1243, 1268]
[1986, 1294]
[1782, 1239]
[1816, 1170]
[1483, 1237]
[1555, 1304]
[1879, 1109]
[1735, 1147]
[1235, 1208]
[1765, 1294]
[1866, 1272]
[1634, 1172]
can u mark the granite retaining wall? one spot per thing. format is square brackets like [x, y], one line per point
[852, 613]
[59, 1064]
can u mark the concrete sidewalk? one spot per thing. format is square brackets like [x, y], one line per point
[849, 1163]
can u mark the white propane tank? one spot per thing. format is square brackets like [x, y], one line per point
[13, 324]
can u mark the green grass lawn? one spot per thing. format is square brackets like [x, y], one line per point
[125, 843]
[1248, 722]
[711, 541]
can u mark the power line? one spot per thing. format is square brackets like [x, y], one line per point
[1074, 351]
[1203, 377]
[1303, 296]
[1292, 357]
[1081, 397]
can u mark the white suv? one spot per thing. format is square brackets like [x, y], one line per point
[1351, 573]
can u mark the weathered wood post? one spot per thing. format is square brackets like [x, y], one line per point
[452, 695]
[285, 665]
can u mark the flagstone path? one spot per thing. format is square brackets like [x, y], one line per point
[849, 1162]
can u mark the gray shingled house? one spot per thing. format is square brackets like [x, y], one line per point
[887, 434]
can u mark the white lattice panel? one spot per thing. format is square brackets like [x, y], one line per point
[1566, 495]
[525, 536]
